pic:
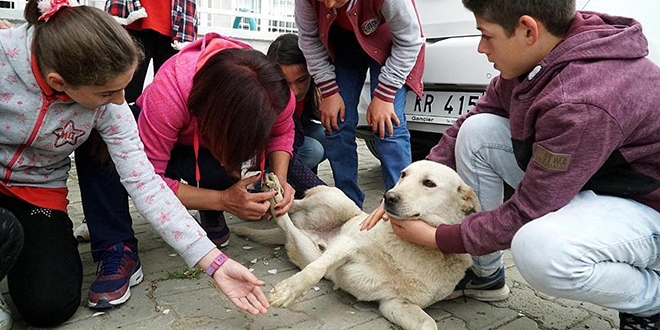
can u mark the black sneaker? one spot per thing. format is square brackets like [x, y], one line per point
[632, 322]
[213, 222]
[487, 288]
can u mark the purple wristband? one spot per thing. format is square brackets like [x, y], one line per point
[216, 263]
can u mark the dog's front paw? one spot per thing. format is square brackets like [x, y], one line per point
[286, 292]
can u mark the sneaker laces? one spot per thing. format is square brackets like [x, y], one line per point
[110, 263]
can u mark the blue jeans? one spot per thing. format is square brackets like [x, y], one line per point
[599, 249]
[484, 160]
[312, 151]
[351, 64]
[104, 199]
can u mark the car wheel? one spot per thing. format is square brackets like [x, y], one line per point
[364, 133]
[420, 142]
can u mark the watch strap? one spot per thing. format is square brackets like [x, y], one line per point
[216, 263]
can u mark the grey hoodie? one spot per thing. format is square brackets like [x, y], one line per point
[41, 129]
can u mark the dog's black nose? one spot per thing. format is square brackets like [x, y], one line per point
[391, 198]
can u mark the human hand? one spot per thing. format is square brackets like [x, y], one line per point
[381, 117]
[331, 108]
[373, 218]
[415, 231]
[241, 287]
[285, 204]
[5, 24]
[245, 205]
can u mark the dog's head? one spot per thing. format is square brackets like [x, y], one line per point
[431, 192]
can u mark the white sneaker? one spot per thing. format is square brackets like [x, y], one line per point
[5, 315]
[81, 233]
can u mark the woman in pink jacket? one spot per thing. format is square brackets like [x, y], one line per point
[211, 109]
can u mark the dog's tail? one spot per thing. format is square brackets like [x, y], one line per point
[267, 236]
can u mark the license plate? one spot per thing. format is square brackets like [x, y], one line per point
[439, 107]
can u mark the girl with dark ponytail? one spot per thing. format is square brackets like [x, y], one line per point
[63, 74]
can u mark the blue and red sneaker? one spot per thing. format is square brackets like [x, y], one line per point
[118, 270]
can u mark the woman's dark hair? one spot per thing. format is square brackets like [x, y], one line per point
[285, 51]
[236, 97]
[83, 44]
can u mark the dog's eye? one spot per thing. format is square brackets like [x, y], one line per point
[429, 183]
[403, 174]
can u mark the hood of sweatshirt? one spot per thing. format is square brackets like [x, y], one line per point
[591, 37]
[15, 48]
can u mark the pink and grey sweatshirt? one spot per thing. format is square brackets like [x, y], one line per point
[583, 119]
[165, 119]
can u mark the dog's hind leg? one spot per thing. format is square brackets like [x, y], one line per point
[407, 315]
[287, 291]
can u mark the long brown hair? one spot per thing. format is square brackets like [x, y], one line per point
[236, 97]
[83, 44]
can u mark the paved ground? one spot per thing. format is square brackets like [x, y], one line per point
[173, 297]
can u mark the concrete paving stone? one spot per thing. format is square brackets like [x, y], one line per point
[202, 301]
[597, 323]
[307, 324]
[477, 314]
[522, 323]
[155, 321]
[452, 323]
[206, 323]
[332, 314]
[609, 315]
[82, 320]
[159, 262]
[436, 312]
[283, 318]
[547, 313]
[166, 288]
[376, 324]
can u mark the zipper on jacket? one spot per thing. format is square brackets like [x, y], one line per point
[48, 100]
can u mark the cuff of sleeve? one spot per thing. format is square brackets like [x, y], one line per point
[385, 92]
[195, 252]
[449, 239]
[328, 88]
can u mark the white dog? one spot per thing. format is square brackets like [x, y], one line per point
[323, 238]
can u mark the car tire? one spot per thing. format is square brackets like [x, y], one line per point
[420, 142]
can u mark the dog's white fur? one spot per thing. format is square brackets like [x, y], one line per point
[323, 239]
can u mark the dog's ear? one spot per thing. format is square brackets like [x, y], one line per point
[470, 202]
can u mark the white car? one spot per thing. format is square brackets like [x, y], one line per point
[456, 75]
